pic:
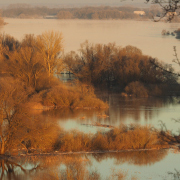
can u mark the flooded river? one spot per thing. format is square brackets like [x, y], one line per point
[155, 164]
[145, 35]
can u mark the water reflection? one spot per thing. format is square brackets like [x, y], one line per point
[10, 169]
[139, 158]
[136, 108]
[80, 166]
[174, 175]
[144, 111]
[141, 34]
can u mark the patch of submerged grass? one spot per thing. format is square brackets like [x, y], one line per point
[121, 138]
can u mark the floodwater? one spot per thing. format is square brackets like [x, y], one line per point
[155, 164]
[140, 111]
[145, 35]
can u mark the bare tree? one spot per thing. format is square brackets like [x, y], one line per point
[12, 93]
[50, 47]
[170, 8]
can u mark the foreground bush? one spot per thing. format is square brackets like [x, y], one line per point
[122, 138]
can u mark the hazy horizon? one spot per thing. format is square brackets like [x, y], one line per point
[140, 3]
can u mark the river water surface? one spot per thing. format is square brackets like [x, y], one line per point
[145, 35]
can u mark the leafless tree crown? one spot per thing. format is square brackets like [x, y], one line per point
[170, 7]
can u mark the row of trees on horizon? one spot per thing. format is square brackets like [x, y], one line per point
[100, 12]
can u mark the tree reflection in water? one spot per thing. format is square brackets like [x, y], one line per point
[139, 158]
[123, 108]
[175, 175]
[73, 166]
[11, 170]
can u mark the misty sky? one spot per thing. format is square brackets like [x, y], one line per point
[55, 1]
[7, 2]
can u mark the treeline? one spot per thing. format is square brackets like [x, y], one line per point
[98, 13]
[106, 12]
[126, 68]
[25, 11]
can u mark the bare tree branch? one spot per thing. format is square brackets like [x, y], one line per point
[169, 8]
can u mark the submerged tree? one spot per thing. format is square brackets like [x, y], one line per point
[111, 65]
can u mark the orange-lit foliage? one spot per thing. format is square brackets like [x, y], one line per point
[124, 137]
[76, 96]
[32, 60]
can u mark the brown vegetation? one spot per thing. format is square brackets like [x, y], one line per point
[34, 61]
[27, 70]
[115, 67]
[136, 89]
[122, 138]
[101, 12]
[76, 96]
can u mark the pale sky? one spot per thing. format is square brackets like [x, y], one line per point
[120, 2]
[55, 1]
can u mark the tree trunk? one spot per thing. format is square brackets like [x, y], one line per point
[2, 145]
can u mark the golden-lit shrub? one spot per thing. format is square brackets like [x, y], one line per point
[100, 142]
[133, 137]
[75, 141]
[124, 137]
[72, 96]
